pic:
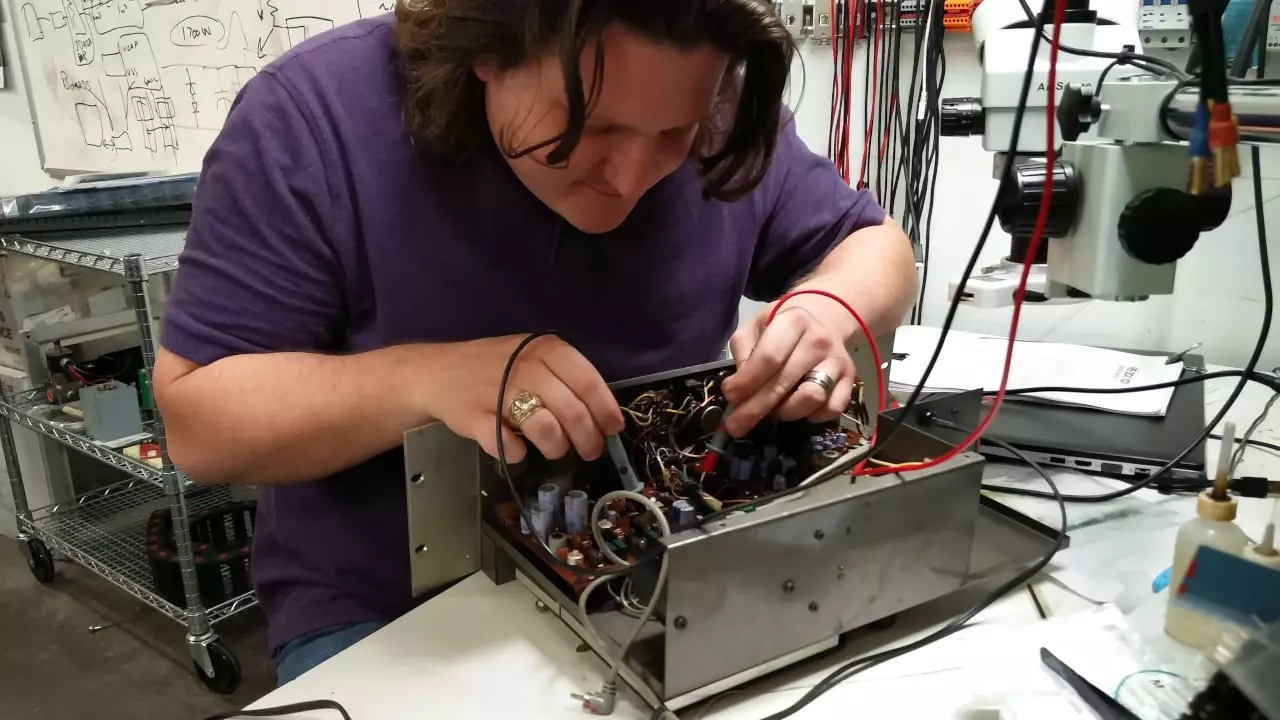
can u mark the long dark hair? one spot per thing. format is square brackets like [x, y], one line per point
[440, 42]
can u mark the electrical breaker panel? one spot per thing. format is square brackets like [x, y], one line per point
[1273, 27]
[1165, 24]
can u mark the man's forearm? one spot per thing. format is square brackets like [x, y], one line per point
[874, 271]
[288, 417]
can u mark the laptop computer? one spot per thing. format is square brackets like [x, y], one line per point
[1124, 446]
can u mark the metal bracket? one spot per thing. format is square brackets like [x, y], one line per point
[199, 649]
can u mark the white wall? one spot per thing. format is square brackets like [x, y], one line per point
[19, 159]
[1218, 296]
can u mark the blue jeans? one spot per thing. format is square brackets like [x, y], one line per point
[301, 654]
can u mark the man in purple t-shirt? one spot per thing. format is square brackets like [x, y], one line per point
[393, 204]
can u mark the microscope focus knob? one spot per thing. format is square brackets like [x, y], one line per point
[1018, 205]
[1159, 226]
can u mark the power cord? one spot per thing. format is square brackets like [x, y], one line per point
[294, 709]
[1264, 379]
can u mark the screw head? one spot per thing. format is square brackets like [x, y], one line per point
[416, 479]
[420, 549]
[788, 586]
[681, 622]
[813, 607]
[840, 576]
[819, 534]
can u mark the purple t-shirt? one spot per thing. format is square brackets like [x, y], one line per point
[318, 227]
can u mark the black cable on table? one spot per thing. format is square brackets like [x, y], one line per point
[1252, 443]
[282, 710]
[858, 665]
[1264, 379]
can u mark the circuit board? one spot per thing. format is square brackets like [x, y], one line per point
[669, 422]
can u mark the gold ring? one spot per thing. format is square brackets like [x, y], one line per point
[523, 407]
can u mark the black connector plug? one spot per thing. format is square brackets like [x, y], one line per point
[1254, 487]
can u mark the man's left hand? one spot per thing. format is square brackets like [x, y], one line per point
[773, 359]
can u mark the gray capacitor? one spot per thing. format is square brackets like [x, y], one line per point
[683, 514]
[551, 497]
[611, 515]
[524, 522]
[770, 453]
[779, 483]
[575, 512]
[543, 520]
[739, 469]
[557, 540]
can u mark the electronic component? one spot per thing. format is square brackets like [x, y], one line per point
[1164, 24]
[576, 509]
[111, 411]
[551, 498]
[543, 520]
[824, 561]
[61, 389]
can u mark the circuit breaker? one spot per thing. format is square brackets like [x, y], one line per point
[1165, 24]
[792, 12]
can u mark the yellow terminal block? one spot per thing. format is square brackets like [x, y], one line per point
[1198, 176]
[1226, 166]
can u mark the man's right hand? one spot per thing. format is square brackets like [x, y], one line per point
[578, 408]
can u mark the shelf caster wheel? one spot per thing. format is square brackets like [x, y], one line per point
[40, 561]
[226, 670]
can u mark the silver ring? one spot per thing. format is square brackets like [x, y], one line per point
[822, 380]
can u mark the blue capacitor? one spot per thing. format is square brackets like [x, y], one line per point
[683, 515]
[748, 467]
[543, 521]
[552, 497]
[840, 440]
[739, 469]
[817, 444]
[575, 512]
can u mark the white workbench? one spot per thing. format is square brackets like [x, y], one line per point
[484, 651]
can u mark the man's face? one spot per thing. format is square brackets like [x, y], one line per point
[639, 129]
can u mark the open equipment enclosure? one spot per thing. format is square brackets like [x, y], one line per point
[800, 571]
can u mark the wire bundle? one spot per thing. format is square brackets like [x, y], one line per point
[847, 25]
[1215, 133]
[900, 130]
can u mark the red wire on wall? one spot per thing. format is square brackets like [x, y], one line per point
[1037, 235]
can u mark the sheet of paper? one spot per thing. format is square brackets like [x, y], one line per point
[970, 360]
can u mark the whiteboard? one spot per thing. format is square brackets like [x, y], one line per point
[133, 85]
